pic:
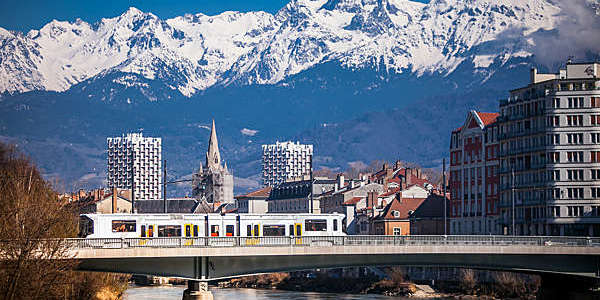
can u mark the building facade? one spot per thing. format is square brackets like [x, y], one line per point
[254, 202]
[213, 183]
[550, 154]
[299, 195]
[474, 181]
[134, 161]
[285, 161]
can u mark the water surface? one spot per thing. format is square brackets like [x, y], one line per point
[176, 292]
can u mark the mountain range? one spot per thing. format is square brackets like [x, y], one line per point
[360, 79]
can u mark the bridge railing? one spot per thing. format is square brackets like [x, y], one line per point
[327, 241]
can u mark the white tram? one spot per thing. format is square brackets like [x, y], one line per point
[209, 225]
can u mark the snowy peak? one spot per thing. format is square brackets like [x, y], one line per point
[191, 53]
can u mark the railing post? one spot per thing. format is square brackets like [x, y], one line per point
[122, 243]
[180, 242]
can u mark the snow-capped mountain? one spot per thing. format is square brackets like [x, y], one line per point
[194, 52]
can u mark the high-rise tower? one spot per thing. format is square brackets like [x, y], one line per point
[135, 159]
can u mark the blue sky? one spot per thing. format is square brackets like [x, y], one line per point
[24, 15]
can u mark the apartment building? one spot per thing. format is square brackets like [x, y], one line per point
[474, 181]
[134, 161]
[550, 154]
[284, 161]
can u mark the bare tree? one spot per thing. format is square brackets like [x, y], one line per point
[33, 223]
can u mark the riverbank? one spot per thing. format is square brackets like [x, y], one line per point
[470, 284]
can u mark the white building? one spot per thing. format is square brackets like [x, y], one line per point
[135, 159]
[284, 161]
[550, 154]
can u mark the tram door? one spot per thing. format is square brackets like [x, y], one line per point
[298, 233]
[191, 230]
[252, 234]
[146, 230]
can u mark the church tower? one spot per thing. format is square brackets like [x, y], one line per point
[213, 157]
[213, 183]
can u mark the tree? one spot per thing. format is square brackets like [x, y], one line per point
[33, 224]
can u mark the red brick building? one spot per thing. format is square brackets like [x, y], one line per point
[474, 179]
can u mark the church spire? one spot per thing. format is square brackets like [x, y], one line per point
[213, 157]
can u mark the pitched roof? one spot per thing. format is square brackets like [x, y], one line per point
[392, 192]
[487, 118]
[264, 192]
[353, 201]
[403, 206]
[432, 207]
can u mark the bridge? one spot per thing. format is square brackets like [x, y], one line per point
[202, 259]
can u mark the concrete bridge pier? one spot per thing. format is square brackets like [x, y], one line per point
[197, 290]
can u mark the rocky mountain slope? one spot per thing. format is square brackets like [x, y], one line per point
[195, 52]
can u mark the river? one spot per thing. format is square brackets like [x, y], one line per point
[176, 292]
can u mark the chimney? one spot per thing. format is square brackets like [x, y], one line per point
[371, 199]
[114, 200]
[532, 75]
[340, 180]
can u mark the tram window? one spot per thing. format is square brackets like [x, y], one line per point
[150, 230]
[249, 230]
[228, 230]
[299, 230]
[291, 230]
[143, 231]
[335, 226]
[169, 230]
[256, 231]
[273, 230]
[315, 225]
[195, 230]
[123, 226]
[214, 230]
[188, 230]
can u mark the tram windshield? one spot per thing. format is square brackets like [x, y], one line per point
[86, 226]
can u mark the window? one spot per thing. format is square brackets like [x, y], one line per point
[595, 156]
[575, 175]
[214, 230]
[169, 230]
[195, 230]
[575, 156]
[397, 231]
[256, 230]
[554, 157]
[335, 225]
[595, 120]
[556, 103]
[273, 230]
[575, 211]
[150, 230]
[575, 120]
[595, 101]
[596, 192]
[143, 231]
[575, 102]
[315, 225]
[291, 230]
[595, 174]
[123, 226]
[575, 138]
[575, 193]
[229, 230]
[249, 230]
